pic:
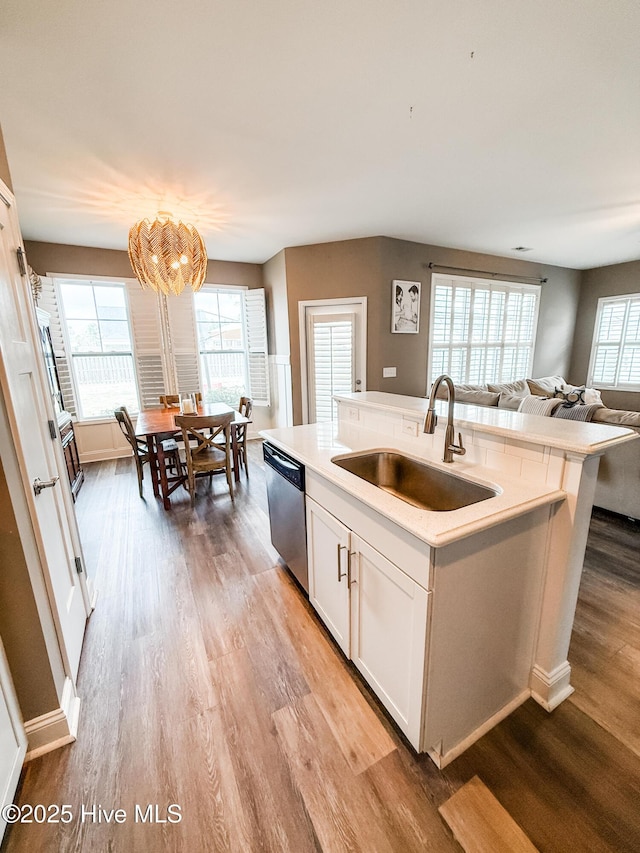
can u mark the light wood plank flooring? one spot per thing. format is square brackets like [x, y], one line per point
[207, 681]
[481, 824]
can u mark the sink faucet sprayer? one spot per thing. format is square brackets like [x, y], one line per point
[450, 447]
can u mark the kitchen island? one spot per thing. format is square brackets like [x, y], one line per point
[453, 618]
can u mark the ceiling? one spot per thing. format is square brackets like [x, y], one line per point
[476, 125]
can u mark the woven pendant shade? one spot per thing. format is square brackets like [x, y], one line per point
[167, 255]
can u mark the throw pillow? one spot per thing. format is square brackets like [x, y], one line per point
[476, 397]
[585, 396]
[570, 397]
[443, 392]
[510, 401]
[535, 405]
[519, 388]
[592, 395]
[544, 387]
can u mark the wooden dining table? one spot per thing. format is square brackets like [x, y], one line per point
[155, 425]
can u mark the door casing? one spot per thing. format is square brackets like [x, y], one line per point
[361, 353]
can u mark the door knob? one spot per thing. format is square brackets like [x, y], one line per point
[39, 485]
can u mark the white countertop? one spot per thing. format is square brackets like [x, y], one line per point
[314, 445]
[574, 436]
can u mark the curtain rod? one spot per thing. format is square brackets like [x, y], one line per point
[439, 267]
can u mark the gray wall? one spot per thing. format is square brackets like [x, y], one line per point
[275, 284]
[82, 260]
[615, 280]
[366, 267]
[331, 271]
[404, 260]
[5, 174]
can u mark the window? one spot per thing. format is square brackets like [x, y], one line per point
[221, 342]
[482, 330]
[615, 354]
[116, 345]
[232, 342]
[99, 344]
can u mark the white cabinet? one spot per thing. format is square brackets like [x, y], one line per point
[388, 634]
[444, 636]
[376, 613]
[328, 553]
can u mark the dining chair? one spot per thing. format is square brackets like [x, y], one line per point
[172, 401]
[245, 408]
[139, 446]
[203, 454]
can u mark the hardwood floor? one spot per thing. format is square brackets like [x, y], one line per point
[208, 682]
[481, 824]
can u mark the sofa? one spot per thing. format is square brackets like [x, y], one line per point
[618, 486]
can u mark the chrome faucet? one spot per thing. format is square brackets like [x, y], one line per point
[450, 447]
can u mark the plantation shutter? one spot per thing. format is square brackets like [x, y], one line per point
[184, 341]
[257, 349]
[331, 362]
[482, 331]
[147, 344]
[49, 302]
[615, 360]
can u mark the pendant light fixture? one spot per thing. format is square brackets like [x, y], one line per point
[167, 255]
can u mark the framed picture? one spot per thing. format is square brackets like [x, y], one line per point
[405, 307]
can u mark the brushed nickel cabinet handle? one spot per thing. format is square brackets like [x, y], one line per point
[350, 579]
[341, 575]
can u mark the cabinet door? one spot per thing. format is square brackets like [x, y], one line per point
[328, 555]
[389, 634]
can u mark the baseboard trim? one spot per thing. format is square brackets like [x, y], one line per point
[56, 728]
[92, 591]
[104, 454]
[441, 760]
[550, 689]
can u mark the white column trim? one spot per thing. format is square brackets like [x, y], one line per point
[56, 728]
[549, 689]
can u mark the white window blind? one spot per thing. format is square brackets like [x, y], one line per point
[615, 353]
[239, 353]
[257, 347]
[49, 303]
[184, 341]
[331, 363]
[481, 330]
[99, 345]
[147, 342]
[232, 340]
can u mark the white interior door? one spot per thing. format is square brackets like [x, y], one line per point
[29, 412]
[334, 354]
[13, 742]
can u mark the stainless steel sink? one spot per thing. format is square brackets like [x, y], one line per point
[412, 481]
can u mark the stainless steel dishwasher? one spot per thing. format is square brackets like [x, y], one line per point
[285, 492]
